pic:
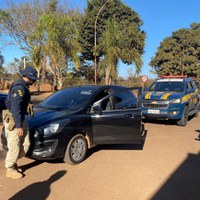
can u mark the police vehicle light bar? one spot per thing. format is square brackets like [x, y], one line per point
[171, 76]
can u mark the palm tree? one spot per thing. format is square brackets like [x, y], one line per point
[109, 46]
[120, 41]
[132, 44]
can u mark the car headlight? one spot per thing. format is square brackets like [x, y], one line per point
[51, 128]
[175, 101]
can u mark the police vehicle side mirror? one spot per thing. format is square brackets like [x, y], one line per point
[191, 90]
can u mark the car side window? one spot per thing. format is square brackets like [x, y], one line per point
[190, 88]
[106, 103]
[125, 100]
[194, 85]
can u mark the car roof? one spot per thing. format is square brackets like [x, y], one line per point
[96, 87]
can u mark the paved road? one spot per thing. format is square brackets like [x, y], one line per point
[167, 168]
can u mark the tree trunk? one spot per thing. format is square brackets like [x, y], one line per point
[44, 69]
[107, 78]
[38, 82]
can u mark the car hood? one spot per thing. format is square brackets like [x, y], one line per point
[159, 95]
[45, 116]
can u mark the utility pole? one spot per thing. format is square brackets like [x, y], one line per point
[95, 42]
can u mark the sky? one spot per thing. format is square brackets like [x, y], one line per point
[160, 18]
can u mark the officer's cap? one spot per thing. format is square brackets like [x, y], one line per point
[30, 73]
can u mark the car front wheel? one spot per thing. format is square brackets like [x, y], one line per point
[76, 150]
[184, 119]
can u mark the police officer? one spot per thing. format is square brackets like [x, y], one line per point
[16, 128]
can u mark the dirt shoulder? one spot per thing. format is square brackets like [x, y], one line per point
[166, 168]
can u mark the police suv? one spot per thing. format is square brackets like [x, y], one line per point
[171, 97]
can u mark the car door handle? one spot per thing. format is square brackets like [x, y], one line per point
[129, 116]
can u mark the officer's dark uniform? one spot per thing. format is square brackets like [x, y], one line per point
[19, 95]
[14, 120]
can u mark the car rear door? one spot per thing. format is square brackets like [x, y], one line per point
[120, 124]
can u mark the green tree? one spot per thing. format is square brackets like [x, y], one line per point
[130, 42]
[179, 54]
[20, 22]
[46, 31]
[61, 46]
[110, 47]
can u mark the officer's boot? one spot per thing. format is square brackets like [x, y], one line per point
[13, 173]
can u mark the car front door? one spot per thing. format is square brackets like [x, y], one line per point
[116, 126]
[192, 93]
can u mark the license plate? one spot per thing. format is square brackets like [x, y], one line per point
[153, 111]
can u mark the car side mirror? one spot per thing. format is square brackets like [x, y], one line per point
[97, 108]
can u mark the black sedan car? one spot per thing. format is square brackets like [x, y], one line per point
[72, 120]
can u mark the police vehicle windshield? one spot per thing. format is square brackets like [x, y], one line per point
[167, 86]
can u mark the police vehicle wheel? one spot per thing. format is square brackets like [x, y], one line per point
[76, 150]
[184, 119]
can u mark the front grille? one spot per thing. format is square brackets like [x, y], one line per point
[155, 104]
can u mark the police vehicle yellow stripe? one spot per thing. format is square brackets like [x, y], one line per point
[185, 98]
[147, 96]
[165, 96]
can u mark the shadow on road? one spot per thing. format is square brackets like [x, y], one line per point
[39, 190]
[30, 165]
[184, 184]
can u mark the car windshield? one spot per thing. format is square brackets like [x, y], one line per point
[167, 86]
[68, 99]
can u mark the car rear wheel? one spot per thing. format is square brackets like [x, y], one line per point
[183, 121]
[76, 150]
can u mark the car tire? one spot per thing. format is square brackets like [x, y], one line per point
[76, 150]
[183, 121]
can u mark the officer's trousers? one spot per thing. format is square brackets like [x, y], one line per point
[17, 146]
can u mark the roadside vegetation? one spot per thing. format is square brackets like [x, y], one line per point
[70, 47]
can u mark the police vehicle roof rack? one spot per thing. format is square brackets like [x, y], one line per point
[172, 76]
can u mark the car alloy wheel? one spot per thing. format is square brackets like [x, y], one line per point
[76, 150]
